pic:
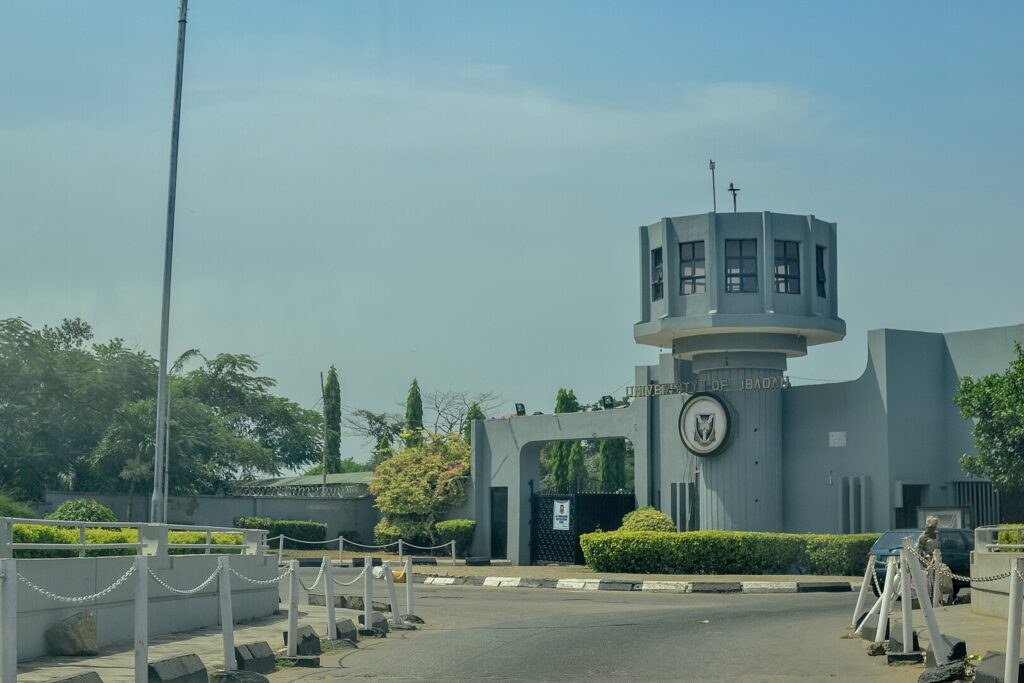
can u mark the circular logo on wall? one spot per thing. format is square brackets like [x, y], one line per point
[704, 424]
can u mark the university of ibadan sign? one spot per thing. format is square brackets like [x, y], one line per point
[696, 386]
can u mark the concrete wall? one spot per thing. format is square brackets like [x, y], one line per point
[339, 514]
[168, 612]
[991, 597]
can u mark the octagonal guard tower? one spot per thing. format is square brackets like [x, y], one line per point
[736, 294]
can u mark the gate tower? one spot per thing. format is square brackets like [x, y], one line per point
[736, 294]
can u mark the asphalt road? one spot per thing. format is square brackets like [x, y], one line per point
[522, 634]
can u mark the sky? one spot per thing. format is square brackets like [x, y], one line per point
[451, 190]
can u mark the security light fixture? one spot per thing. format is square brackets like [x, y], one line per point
[520, 409]
[607, 402]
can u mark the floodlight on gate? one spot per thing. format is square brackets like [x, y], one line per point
[520, 409]
[607, 402]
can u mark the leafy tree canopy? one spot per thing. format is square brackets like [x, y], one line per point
[996, 404]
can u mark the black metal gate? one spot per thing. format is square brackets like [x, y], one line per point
[589, 509]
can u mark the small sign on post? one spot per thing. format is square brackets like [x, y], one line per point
[561, 518]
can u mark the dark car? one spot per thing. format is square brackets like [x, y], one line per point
[956, 546]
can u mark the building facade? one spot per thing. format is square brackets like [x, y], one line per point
[721, 440]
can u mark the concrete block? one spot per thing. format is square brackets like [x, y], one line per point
[578, 584]
[769, 586]
[308, 662]
[667, 586]
[345, 629]
[896, 654]
[989, 668]
[87, 677]
[180, 669]
[412, 619]
[478, 561]
[870, 626]
[823, 587]
[957, 651]
[308, 644]
[947, 673]
[240, 676]
[374, 561]
[75, 635]
[612, 585]
[256, 657]
[377, 621]
[716, 587]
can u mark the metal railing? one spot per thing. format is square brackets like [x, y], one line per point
[153, 539]
[986, 539]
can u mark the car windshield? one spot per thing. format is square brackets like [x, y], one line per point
[893, 539]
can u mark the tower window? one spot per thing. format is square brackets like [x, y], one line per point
[657, 275]
[787, 267]
[692, 277]
[741, 265]
[819, 260]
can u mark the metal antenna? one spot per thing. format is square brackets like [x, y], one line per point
[714, 196]
[734, 190]
[157, 509]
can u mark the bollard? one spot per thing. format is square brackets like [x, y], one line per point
[392, 595]
[938, 644]
[1013, 621]
[141, 617]
[865, 586]
[332, 631]
[341, 550]
[908, 605]
[81, 541]
[293, 609]
[368, 592]
[408, 587]
[936, 577]
[227, 619]
[399, 550]
[453, 553]
[8, 621]
[280, 548]
[887, 591]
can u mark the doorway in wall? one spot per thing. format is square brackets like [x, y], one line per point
[499, 522]
[913, 498]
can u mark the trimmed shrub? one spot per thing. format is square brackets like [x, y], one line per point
[390, 530]
[725, 552]
[13, 508]
[837, 555]
[458, 530]
[293, 528]
[647, 519]
[31, 533]
[82, 510]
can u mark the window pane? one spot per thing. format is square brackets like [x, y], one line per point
[750, 248]
[698, 250]
[732, 247]
[792, 250]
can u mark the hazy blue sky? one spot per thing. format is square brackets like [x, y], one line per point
[451, 190]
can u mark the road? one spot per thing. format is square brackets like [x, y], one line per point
[512, 634]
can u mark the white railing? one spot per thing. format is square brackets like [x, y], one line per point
[153, 539]
[986, 539]
[401, 544]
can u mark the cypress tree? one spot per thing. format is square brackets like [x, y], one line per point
[577, 468]
[611, 463]
[561, 452]
[474, 413]
[332, 414]
[414, 407]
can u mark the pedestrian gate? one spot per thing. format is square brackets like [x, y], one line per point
[560, 514]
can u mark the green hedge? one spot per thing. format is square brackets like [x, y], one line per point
[31, 533]
[293, 528]
[82, 510]
[458, 530]
[13, 508]
[647, 519]
[725, 552]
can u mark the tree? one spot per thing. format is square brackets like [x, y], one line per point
[332, 413]
[413, 415]
[556, 456]
[576, 466]
[380, 429]
[475, 412]
[449, 410]
[416, 487]
[611, 463]
[996, 404]
[347, 465]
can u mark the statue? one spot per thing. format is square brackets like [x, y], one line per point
[927, 544]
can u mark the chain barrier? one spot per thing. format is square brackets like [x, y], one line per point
[349, 583]
[946, 572]
[361, 545]
[260, 582]
[429, 547]
[874, 580]
[299, 540]
[189, 591]
[84, 598]
[316, 583]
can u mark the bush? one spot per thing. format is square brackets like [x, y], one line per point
[32, 533]
[837, 555]
[458, 530]
[293, 528]
[13, 508]
[647, 519]
[82, 510]
[390, 530]
[725, 552]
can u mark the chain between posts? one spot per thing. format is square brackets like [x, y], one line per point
[85, 598]
[316, 583]
[945, 572]
[349, 583]
[261, 582]
[189, 591]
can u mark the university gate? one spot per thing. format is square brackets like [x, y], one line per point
[559, 515]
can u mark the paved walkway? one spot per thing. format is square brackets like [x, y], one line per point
[116, 664]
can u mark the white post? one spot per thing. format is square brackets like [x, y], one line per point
[332, 630]
[227, 620]
[883, 610]
[341, 550]
[209, 540]
[392, 594]
[81, 540]
[453, 553]
[368, 592]
[938, 644]
[280, 548]
[1013, 621]
[141, 617]
[8, 621]
[408, 586]
[908, 606]
[865, 586]
[936, 578]
[293, 608]
[399, 550]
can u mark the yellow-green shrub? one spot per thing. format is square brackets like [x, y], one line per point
[647, 519]
[458, 530]
[32, 533]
